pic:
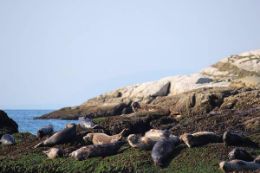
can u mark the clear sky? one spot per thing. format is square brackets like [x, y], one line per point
[56, 53]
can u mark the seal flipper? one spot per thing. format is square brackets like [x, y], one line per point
[38, 145]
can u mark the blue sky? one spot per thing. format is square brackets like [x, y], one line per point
[60, 53]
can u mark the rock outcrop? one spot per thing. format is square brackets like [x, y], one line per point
[7, 125]
[198, 93]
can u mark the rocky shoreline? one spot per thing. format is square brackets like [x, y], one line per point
[222, 97]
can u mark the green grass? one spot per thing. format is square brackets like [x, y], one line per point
[184, 160]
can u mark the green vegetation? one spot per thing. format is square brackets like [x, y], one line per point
[184, 160]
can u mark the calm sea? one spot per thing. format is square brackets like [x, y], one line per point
[26, 123]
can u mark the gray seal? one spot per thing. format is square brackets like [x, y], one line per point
[96, 150]
[45, 131]
[238, 165]
[163, 149]
[200, 138]
[7, 139]
[102, 138]
[53, 153]
[240, 154]
[235, 139]
[60, 137]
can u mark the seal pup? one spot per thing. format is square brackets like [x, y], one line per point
[102, 138]
[163, 149]
[7, 139]
[240, 154]
[60, 137]
[96, 150]
[53, 153]
[238, 165]
[235, 139]
[200, 138]
[45, 131]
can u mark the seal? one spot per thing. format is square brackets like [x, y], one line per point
[257, 159]
[87, 123]
[145, 142]
[240, 154]
[238, 165]
[53, 153]
[163, 149]
[200, 138]
[60, 137]
[45, 131]
[155, 134]
[235, 139]
[96, 150]
[102, 138]
[7, 139]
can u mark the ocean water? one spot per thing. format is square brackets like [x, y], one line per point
[26, 123]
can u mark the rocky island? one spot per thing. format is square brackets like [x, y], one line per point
[223, 97]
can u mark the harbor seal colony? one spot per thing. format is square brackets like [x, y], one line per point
[200, 138]
[60, 137]
[53, 153]
[235, 139]
[45, 131]
[163, 149]
[96, 150]
[238, 165]
[7, 139]
[102, 138]
[240, 154]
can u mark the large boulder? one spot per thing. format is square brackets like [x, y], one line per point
[7, 125]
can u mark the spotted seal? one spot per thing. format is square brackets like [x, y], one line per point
[7, 139]
[163, 149]
[102, 138]
[200, 138]
[45, 131]
[240, 154]
[235, 139]
[60, 137]
[238, 165]
[96, 150]
[53, 153]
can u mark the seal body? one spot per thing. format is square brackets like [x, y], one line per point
[96, 150]
[87, 123]
[238, 165]
[155, 134]
[53, 153]
[102, 138]
[200, 138]
[45, 131]
[240, 154]
[235, 139]
[7, 139]
[257, 159]
[60, 137]
[163, 149]
[144, 143]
